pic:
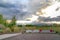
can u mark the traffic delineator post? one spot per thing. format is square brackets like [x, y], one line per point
[40, 30]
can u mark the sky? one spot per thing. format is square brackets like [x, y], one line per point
[53, 10]
[24, 9]
[20, 8]
[13, 7]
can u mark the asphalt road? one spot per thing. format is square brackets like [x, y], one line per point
[35, 37]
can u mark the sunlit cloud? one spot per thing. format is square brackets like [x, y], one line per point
[33, 18]
[51, 10]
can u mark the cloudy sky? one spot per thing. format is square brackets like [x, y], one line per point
[26, 8]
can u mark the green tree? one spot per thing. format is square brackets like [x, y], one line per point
[13, 22]
[1, 19]
[5, 23]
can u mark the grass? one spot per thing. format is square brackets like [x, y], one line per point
[38, 28]
[18, 29]
[56, 29]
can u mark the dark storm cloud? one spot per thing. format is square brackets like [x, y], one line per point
[6, 5]
[8, 9]
[46, 19]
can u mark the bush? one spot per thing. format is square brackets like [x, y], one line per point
[1, 31]
[7, 30]
[56, 31]
[2, 27]
[15, 29]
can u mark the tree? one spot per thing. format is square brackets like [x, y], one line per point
[5, 23]
[1, 19]
[13, 22]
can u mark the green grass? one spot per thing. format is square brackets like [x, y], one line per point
[43, 28]
[55, 28]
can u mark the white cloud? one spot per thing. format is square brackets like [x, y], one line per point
[51, 10]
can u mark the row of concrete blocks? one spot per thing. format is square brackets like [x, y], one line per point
[40, 31]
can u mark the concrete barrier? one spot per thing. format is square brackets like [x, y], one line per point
[40, 31]
[28, 31]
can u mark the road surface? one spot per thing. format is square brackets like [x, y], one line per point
[35, 36]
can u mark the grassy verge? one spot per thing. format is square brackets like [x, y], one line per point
[16, 29]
